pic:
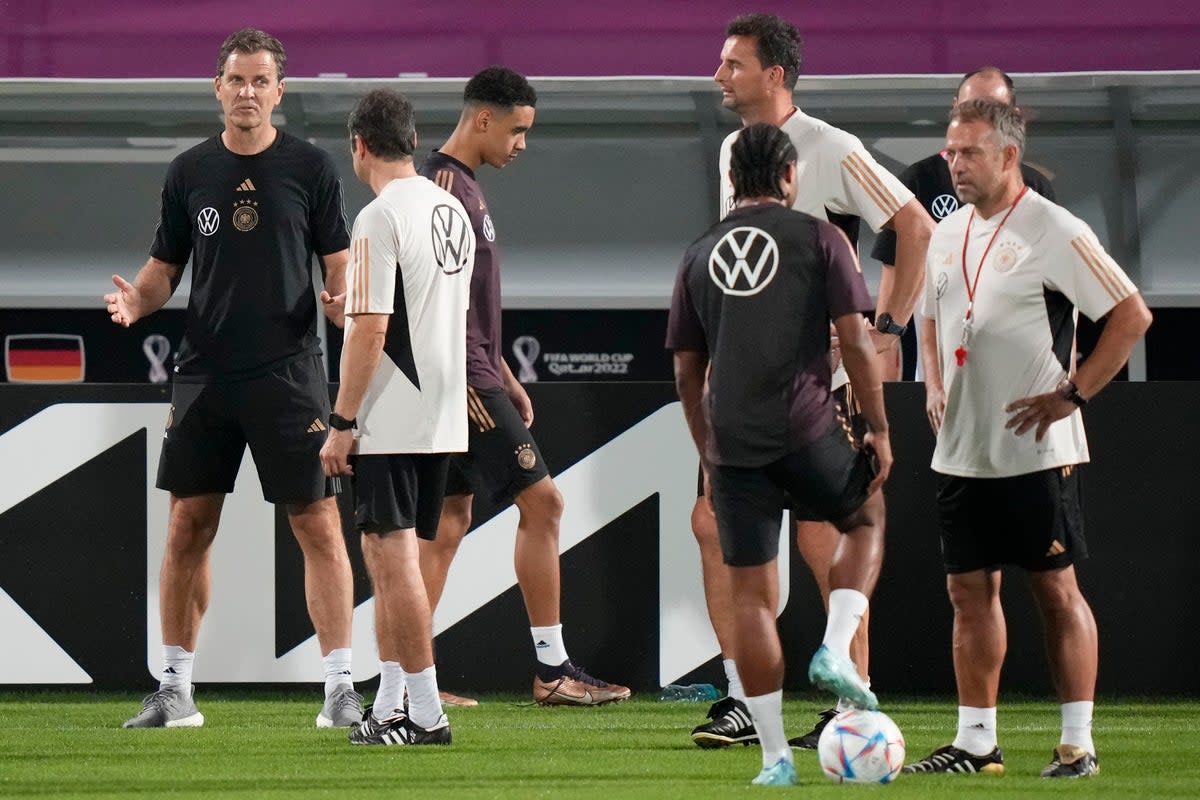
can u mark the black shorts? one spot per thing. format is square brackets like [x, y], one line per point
[830, 477]
[282, 415]
[853, 426]
[1034, 521]
[502, 459]
[399, 491]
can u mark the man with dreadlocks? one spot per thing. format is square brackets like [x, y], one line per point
[749, 328]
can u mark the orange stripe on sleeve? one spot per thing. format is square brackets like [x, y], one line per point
[890, 200]
[360, 277]
[1107, 280]
[865, 178]
[352, 291]
[366, 298]
[1109, 267]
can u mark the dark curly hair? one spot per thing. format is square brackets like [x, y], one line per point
[778, 42]
[501, 87]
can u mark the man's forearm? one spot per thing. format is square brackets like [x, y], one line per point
[334, 268]
[506, 375]
[156, 281]
[360, 358]
[863, 368]
[913, 228]
[689, 385]
[1126, 324]
[931, 364]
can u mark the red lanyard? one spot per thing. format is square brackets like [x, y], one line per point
[961, 353]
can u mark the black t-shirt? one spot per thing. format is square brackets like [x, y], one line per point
[757, 293]
[250, 224]
[929, 179]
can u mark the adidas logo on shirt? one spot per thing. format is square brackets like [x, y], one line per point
[316, 427]
[246, 186]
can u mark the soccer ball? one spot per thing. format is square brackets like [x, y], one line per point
[859, 746]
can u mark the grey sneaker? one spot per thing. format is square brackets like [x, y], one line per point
[170, 707]
[343, 708]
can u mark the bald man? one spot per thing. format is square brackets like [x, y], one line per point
[929, 179]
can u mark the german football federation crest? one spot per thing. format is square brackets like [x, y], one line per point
[245, 215]
[744, 261]
[526, 457]
[1007, 256]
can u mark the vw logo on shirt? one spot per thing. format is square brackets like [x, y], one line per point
[450, 239]
[943, 206]
[208, 220]
[744, 261]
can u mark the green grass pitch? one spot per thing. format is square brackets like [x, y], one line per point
[260, 744]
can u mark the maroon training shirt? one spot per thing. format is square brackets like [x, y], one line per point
[757, 293]
[483, 318]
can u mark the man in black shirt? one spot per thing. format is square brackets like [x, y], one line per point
[749, 327]
[929, 179]
[250, 207]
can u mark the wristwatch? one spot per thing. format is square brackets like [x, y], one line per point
[1070, 391]
[885, 324]
[340, 423]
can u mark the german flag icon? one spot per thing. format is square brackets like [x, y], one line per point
[44, 358]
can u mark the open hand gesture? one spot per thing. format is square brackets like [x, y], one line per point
[125, 304]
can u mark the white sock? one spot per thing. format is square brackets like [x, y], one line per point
[767, 712]
[976, 730]
[548, 644]
[424, 705]
[1077, 725]
[177, 667]
[391, 690]
[846, 609]
[735, 681]
[337, 669]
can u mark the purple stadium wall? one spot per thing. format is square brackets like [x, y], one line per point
[372, 38]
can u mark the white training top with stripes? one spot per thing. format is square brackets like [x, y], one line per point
[833, 171]
[411, 256]
[1042, 247]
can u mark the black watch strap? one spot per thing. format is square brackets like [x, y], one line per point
[1070, 391]
[885, 324]
[340, 423]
